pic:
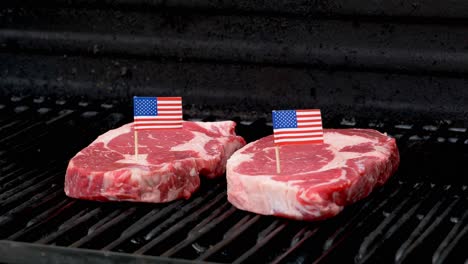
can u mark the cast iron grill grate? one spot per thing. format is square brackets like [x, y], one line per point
[420, 214]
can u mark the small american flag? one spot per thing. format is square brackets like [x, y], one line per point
[157, 112]
[297, 126]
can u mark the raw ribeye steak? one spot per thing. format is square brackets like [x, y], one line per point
[316, 180]
[167, 168]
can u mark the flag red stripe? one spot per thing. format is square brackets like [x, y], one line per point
[295, 132]
[169, 98]
[156, 128]
[156, 119]
[169, 109]
[311, 115]
[307, 126]
[170, 114]
[298, 137]
[300, 133]
[155, 125]
[178, 105]
[176, 115]
[300, 142]
[295, 136]
[276, 131]
[308, 110]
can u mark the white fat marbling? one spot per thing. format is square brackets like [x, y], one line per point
[238, 158]
[197, 144]
[223, 127]
[131, 159]
[340, 141]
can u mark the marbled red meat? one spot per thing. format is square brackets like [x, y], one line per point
[167, 168]
[316, 180]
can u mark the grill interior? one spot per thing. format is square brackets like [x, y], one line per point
[421, 214]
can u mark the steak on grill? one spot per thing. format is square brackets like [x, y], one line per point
[167, 168]
[316, 180]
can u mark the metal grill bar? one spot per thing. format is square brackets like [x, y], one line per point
[263, 238]
[351, 224]
[141, 224]
[182, 212]
[43, 218]
[8, 166]
[14, 176]
[19, 132]
[371, 243]
[24, 192]
[15, 188]
[36, 200]
[232, 234]
[204, 227]
[10, 124]
[423, 230]
[355, 230]
[157, 215]
[458, 231]
[181, 224]
[104, 224]
[68, 225]
[296, 242]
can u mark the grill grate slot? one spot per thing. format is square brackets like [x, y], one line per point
[342, 231]
[70, 224]
[178, 225]
[63, 217]
[155, 216]
[45, 217]
[387, 229]
[19, 183]
[423, 231]
[264, 237]
[35, 201]
[230, 235]
[204, 227]
[104, 224]
[22, 193]
[452, 240]
[145, 221]
[296, 242]
[15, 178]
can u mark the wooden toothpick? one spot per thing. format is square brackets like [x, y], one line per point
[278, 166]
[136, 144]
